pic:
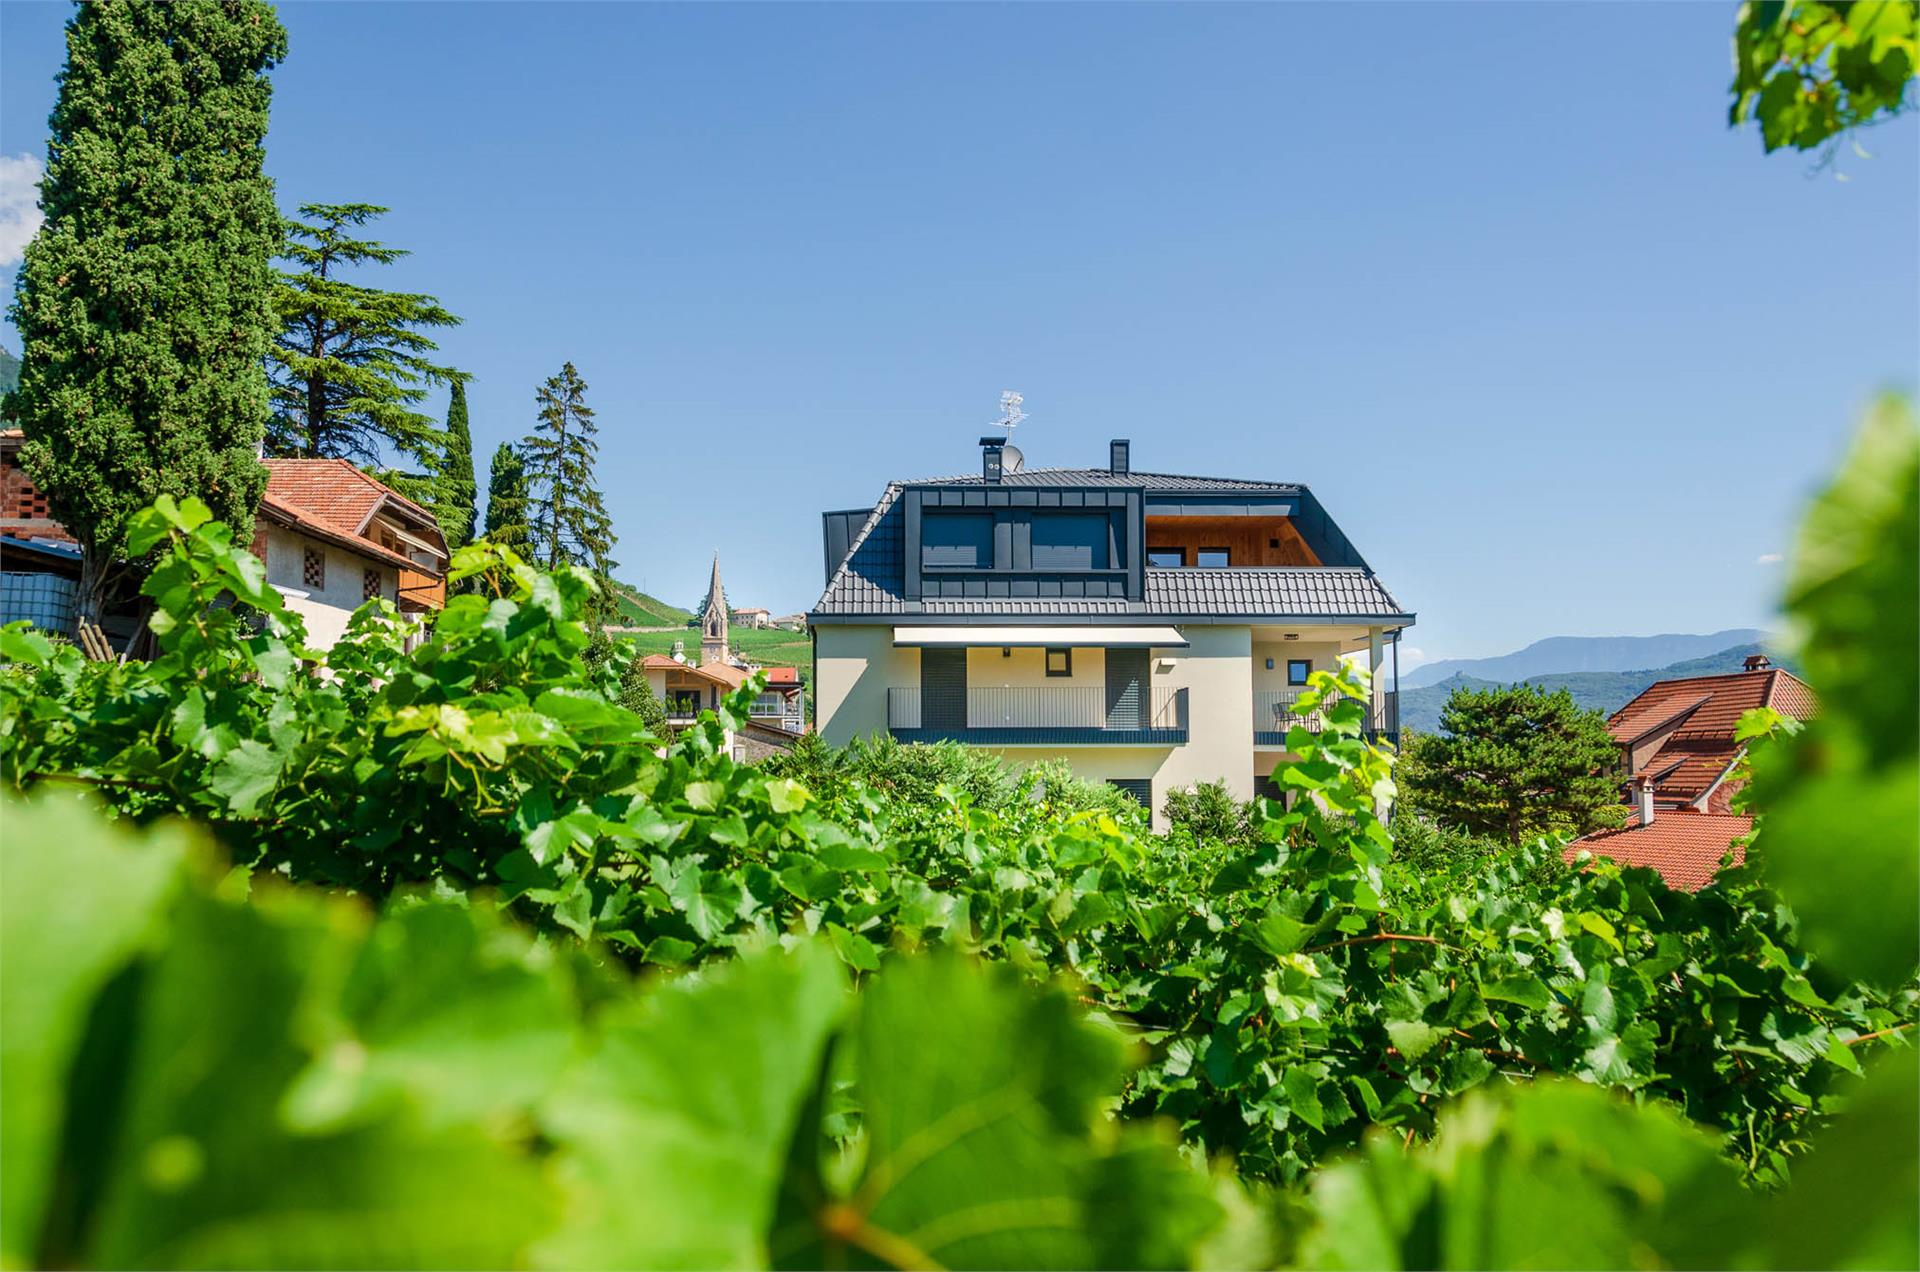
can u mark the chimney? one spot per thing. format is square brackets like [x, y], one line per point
[1117, 457]
[1643, 799]
[1758, 662]
[990, 456]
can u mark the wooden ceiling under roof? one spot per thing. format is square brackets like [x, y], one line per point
[1249, 541]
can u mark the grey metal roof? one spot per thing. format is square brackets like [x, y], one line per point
[1103, 478]
[870, 583]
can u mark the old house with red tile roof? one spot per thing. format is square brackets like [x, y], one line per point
[1679, 757]
[331, 536]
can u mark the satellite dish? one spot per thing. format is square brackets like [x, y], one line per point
[1011, 460]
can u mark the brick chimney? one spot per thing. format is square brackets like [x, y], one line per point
[1758, 662]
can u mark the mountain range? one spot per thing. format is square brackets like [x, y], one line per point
[1605, 691]
[1582, 653]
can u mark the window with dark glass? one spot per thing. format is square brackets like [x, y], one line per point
[1166, 558]
[956, 541]
[1297, 670]
[1070, 541]
[1059, 662]
[1211, 558]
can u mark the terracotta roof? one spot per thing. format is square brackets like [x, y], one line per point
[782, 675]
[1701, 712]
[333, 500]
[719, 673]
[1683, 845]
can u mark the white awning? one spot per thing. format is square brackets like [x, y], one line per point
[1028, 637]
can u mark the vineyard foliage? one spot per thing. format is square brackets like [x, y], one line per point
[620, 1001]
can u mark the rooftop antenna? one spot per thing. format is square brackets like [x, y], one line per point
[1010, 412]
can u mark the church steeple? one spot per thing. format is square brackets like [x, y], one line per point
[713, 621]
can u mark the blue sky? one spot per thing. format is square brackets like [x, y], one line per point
[1561, 353]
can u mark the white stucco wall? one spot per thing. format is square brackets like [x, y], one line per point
[324, 610]
[1324, 655]
[853, 668]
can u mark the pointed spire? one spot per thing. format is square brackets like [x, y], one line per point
[713, 620]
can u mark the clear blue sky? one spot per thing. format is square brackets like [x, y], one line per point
[1560, 352]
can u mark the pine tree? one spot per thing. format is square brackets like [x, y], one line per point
[568, 519]
[1516, 762]
[145, 301]
[506, 522]
[350, 364]
[459, 485]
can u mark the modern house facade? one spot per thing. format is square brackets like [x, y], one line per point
[1152, 629]
[1680, 762]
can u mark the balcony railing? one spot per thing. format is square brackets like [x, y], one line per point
[1037, 715]
[1274, 714]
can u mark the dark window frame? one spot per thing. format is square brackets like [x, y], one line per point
[1226, 559]
[952, 520]
[1305, 666]
[1067, 654]
[1180, 564]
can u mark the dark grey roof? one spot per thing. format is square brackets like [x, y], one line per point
[871, 580]
[1102, 478]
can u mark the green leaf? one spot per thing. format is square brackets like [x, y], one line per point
[709, 899]
[1414, 1038]
[246, 776]
[706, 797]
[849, 858]
[77, 902]
[1523, 991]
[674, 1131]
[786, 796]
[855, 951]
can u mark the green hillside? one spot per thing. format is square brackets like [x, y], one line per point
[766, 646]
[1605, 691]
[9, 370]
[637, 609]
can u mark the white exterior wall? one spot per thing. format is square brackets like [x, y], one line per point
[324, 610]
[853, 669]
[1324, 655]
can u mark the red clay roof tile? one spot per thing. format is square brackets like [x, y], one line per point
[1684, 846]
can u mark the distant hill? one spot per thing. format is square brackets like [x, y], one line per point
[1605, 691]
[637, 609]
[1582, 653]
[9, 370]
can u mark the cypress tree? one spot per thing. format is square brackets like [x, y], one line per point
[350, 364]
[568, 519]
[506, 522]
[145, 301]
[458, 483]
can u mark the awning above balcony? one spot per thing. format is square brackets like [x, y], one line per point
[1029, 637]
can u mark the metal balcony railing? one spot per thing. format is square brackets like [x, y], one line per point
[1274, 714]
[1038, 709]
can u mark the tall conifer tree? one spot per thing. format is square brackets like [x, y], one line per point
[351, 364]
[568, 519]
[506, 522]
[458, 483]
[145, 301]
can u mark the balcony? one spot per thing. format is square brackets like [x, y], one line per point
[1274, 715]
[1038, 716]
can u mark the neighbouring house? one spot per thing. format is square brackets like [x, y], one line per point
[332, 539]
[1153, 630]
[1680, 761]
[753, 617]
[776, 717]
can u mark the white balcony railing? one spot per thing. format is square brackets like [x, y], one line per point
[1037, 707]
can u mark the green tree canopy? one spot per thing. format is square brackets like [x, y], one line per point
[351, 364]
[568, 519]
[506, 522]
[1810, 71]
[458, 484]
[1515, 762]
[145, 301]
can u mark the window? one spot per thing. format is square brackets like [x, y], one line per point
[956, 541]
[1140, 788]
[1059, 662]
[370, 584]
[1211, 558]
[1297, 669]
[1070, 541]
[313, 569]
[1166, 558]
